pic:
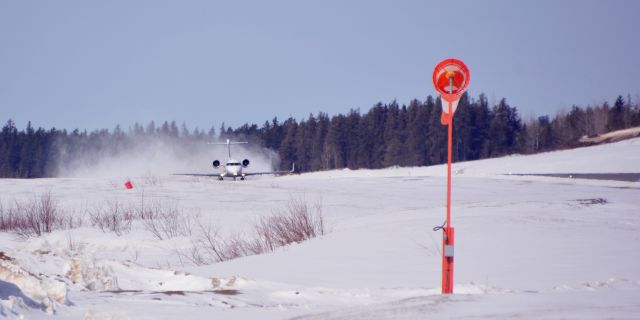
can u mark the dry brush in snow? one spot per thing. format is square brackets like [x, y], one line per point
[297, 221]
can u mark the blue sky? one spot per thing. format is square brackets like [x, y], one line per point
[95, 64]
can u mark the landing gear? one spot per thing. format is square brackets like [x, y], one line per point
[220, 178]
[242, 178]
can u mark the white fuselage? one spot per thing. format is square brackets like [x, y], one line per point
[232, 168]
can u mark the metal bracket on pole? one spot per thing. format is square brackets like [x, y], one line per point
[448, 251]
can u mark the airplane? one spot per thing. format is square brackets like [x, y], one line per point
[233, 168]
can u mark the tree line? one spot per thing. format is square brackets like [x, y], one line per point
[386, 135]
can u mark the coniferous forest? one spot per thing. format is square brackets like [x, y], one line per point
[385, 135]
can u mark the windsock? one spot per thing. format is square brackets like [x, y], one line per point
[445, 117]
[451, 78]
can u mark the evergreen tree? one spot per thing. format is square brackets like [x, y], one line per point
[480, 129]
[393, 136]
[184, 131]
[616, 115]
[417, 133]
[504, 130]
[352, 139]
[371, 147]
[318, 162]
[28, 153]
[463, 130]
[576, 124]
[335, 149]
[223, 132]
[304, 143]
[287, 150]
[165, 129]
[151, 128]
[437, 139]
[211, 135]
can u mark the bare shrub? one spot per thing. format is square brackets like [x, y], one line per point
[234, 247]
[72, 244]
[210, 241]
[296, 222]
[209, 247]
[113, 216]
[193, 254]
[33, 217]
[165, 220]
[7, 219]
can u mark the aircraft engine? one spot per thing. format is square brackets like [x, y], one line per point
[245, 163]
[216, 163]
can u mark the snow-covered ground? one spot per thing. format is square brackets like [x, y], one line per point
[526, 247]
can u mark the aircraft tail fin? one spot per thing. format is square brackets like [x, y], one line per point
[228, 144]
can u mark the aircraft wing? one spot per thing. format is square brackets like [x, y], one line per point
[197, 174]
[293, 169]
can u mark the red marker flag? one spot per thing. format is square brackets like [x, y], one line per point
[128, 185]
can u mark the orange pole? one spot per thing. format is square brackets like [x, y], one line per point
[450, 127]
[447, 261]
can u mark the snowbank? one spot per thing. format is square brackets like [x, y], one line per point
[42, 291]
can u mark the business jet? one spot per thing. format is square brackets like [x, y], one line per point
[233, 168]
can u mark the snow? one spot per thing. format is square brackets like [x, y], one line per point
[613, 136]
[528, 247]
[27, 289]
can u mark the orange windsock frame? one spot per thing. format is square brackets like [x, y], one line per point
[451, 79]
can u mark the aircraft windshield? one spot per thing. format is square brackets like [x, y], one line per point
[233, 163]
